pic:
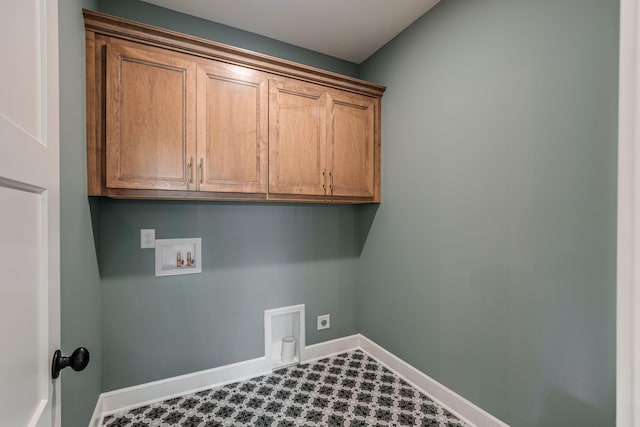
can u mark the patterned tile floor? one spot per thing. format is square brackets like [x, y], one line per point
[349, 389]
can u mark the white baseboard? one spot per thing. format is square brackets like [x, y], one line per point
[457, 404]
[145, 394]
[96, 417]
[329, 348]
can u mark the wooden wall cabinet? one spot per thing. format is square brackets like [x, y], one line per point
[232, 129]
[322, 141]
[170, 116]
[297, 138]
[351, 142]
[149, 147]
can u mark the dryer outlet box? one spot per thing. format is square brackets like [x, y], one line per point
[324, 321]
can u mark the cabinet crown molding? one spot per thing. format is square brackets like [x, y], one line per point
[108, 25]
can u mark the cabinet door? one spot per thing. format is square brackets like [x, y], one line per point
[297, 138]
[232, 128]
[351, 144]
[150, 118]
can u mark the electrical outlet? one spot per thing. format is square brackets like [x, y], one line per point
[147, 238]
[324, 321]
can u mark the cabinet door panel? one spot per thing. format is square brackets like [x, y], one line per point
[150, 116]
[297, 138]
[232, 128]
[351, 136]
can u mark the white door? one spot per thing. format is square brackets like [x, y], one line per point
[628, 290]
[29, 212]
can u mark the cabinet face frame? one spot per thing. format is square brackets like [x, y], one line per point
[102, 30]
[140, 137]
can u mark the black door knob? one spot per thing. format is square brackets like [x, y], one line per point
[78, 360]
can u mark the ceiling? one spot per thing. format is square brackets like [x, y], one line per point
[347, 29]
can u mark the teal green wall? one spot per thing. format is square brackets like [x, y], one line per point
[490, 264]
[80, 282]
[165, 18]
[255, 257]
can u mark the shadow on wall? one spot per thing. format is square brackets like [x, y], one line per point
[94, 210]
[556, 402]
[366, 215]
[233, 234]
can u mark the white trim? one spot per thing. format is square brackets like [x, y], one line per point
[97, 416]
[37, 414]
[268, 317]
[173, 247]
[457, 404]
[145, 394]
[628, 253]
[330, 348]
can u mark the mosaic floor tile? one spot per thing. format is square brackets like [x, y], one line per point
[350, 389]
